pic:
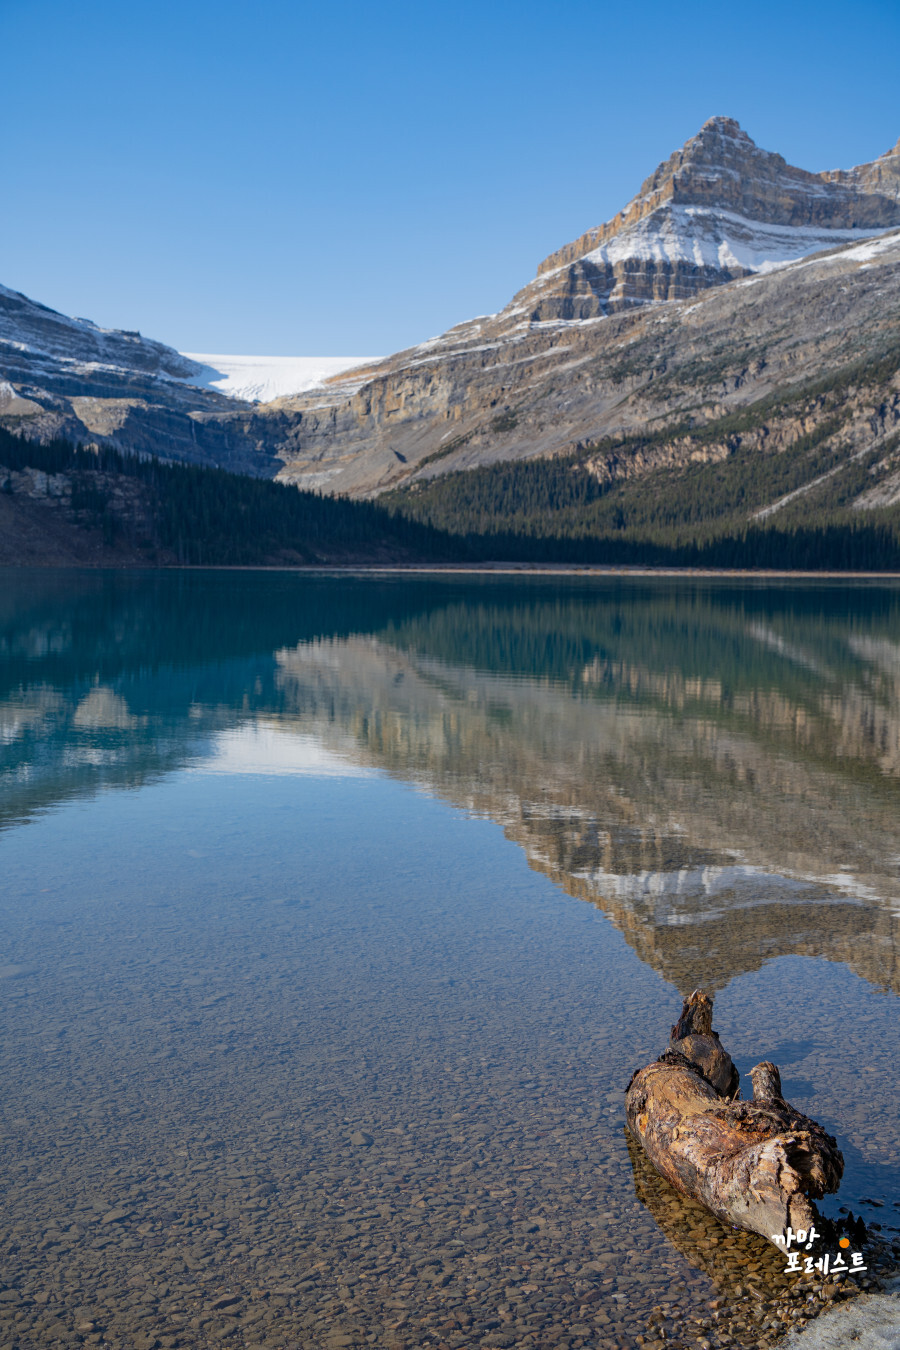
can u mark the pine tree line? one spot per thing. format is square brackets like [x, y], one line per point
[210, 517]
[541, 511]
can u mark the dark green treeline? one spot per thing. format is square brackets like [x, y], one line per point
[544, 511]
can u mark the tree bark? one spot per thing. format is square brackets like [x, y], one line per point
[756, 1165]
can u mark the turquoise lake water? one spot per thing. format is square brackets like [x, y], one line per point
[336, 913]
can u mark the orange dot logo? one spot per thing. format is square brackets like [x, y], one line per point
[844, 1242]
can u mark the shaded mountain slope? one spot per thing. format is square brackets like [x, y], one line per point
[820, 451]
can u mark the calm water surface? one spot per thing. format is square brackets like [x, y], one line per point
[335, 915]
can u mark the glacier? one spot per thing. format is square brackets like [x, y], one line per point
[260, 379]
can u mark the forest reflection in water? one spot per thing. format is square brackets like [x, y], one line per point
[713, 767]
[716, 767]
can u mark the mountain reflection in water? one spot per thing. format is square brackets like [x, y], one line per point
[715, 765]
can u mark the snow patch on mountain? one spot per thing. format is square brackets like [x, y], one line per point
[867, 252]
[718, 239]
[259, 379]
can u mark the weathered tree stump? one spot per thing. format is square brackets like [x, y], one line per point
[756, 1165]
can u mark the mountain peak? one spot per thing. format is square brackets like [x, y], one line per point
[720, 141]
[723, 126]
[718, 208]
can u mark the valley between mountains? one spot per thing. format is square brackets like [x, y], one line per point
[719, 361]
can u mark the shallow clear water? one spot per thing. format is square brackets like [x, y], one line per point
[336, 914]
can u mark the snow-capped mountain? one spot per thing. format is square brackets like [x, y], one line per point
[575, 356]
[719, 208]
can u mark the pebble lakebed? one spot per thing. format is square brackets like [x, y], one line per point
[228, 1119]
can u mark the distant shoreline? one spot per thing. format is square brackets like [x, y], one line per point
[460, 569]
[568, 569]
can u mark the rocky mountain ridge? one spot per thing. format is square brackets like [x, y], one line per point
[717, 209]
[70, 378]
[722, 170]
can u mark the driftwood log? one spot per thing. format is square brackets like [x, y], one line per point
[757, 1165]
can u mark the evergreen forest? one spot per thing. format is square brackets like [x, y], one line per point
[199, 516]
[549, 511]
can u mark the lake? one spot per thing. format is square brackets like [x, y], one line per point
[336, 913]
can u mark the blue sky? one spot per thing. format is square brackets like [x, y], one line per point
[347, 179]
